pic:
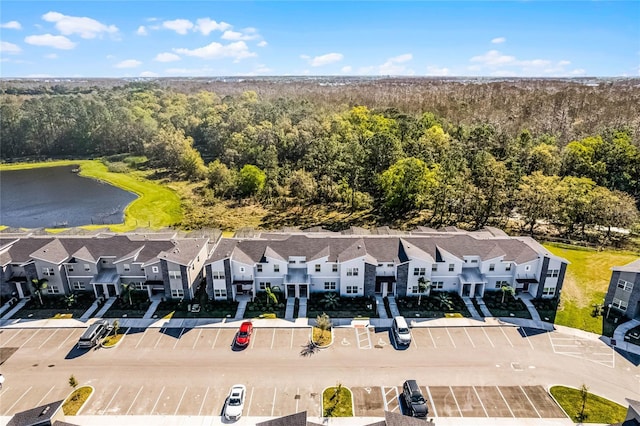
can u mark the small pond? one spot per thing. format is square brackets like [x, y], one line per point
[58, 197]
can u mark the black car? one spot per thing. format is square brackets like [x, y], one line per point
[414, 400]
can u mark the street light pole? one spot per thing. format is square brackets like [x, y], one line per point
[608, 310]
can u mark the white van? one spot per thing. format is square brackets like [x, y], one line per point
[94, 333]
[401, 331]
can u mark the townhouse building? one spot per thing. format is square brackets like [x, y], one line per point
[623, 293]
[163, 264]
[301, 263]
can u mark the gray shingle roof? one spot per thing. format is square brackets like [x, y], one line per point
[629, 267]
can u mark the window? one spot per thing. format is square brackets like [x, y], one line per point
[217, 275]
[415, 289]
[419, 271]
[317, 268]
[155, 269]
[499, 284]
[330, 285]
[527, 268]
[276, 268]
[492, 267]
[70, 268]
[259, 267]
[352, 289]
[434, 267]
[292, 261]
[552, 273]
[53, 289]
[507, 267]
[177, 292]
[334, 268]
[242, 269]
[138, 285]
[549, 291]
[47, 271]
[219, 292]
[264, 285]
[625, 285]
[452, 267]
[389, 265]
[174, 275]
[437, 285]
[380, 265]
[78, 285]
[126, 267]
[620, 304]
[474, 260]
[352, 272]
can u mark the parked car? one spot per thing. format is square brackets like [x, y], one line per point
[244, 334]
[235, 402]
[413, 399]
[94, 333]
[401, 331]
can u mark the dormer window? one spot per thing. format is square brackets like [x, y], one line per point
[259, 267]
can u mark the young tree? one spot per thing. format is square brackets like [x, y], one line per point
[584, 393]
[71, 299]
[507, 289]
[116, 327]
[127, 289]
[73, 382]
[38, 286]
[251, 180]
[423, 285]
[406, 185]
[537, 198]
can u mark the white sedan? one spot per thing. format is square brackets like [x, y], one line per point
[235, 402]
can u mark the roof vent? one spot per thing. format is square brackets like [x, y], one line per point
[46, 410]
[359, 246]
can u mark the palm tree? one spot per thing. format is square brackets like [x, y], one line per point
[127, 289]
[71, 300]
[323, 322]
[330, 301]
[445, 301]
[38, 286]
[507, 289]
[116, 327]
[423, 285]
[271, 296]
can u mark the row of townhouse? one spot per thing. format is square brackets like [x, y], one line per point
[302, 263]
[158, 263]
[624, 290]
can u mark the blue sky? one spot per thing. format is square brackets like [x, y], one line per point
[229, 38]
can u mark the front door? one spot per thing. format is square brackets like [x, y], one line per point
[291, 290]
[378, 289]
[466, 289]
[385, 289]
[478, 290]
[303, 290]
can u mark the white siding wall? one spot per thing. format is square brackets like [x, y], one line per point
[54, 280]
[218, 283]
[352, 280]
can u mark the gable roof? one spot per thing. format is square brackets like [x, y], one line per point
[629, 267]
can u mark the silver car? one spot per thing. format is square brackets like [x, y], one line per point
[235, 402]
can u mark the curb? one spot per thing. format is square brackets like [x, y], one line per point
[353, 411]
[115, 344]
[323, 346]
[86, 400]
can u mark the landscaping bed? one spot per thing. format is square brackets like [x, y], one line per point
[262, 305]
[76, 400]
[121, 308]
[597, 409]
[611, 320]
[633, 336]
[337, 401]
[343, 307]
[547, 308]
[55, 306]
[209, 309]
[433, 306]
[511, 307]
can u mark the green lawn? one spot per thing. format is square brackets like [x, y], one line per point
[586, 283]
[156, 206]
[337, 403]
[76, 400]
[597, 408]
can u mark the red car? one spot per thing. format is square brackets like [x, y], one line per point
[244, 334]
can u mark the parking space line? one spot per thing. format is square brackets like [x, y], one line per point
[250, 401]
[273, 338]
[106, 408]
[65, 340]
[253, 339]
[197, 339]
[488, 338]
[470, 339]
[215, 340]
[414, 341]
[385, 394]
[367, 336]
[273, 404]
[45, 395]
[18, 400]
[47, 339]
[433, 404]
[179, 337]
[13, 337]
[432, 339]
[530, 402]
[204, 398]
[159, 337]
[297, 394]
[293, 331]
[450, 338]
[480, 399]
[134, 399]
[142, 338]
[506, 337]
[526, 336]
[456, 401]
[157, 400]
[180, 402]
[505, 401]
[27, 341]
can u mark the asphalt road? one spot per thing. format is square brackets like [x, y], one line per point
[465, 372]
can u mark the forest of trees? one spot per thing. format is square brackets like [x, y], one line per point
[559, 153]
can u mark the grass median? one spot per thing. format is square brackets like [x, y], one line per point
[596, 408]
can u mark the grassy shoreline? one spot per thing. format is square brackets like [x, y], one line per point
[156, 206]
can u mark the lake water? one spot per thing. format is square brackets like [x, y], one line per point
[56, 197]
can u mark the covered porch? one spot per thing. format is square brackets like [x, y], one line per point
[106, 283]
[472, 283]
[385, 285]
[296, 283]
[526, 285]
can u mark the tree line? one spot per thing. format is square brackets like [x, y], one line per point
[398, 163]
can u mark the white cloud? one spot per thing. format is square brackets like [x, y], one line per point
[248, 34]
[346, 69]
[207, 25]
[11, 25]
[128, 63]
[181, 26]
[237, 51]
[6, 47]
[51, 56]
[57, 42]
[148, 74]
[393, 65]
[322, 60]
[166, 57]
[262, 44]
[496, 63]
[564, 63]
[437, 71]
[110, 57]
[142, 30]
[498, 40]
[493, 58]
[85, 27]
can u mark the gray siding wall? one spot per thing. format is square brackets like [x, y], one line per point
[632, 298]
[401, 283]
[613, 282]
[563, 270]
[369, 279]
[633, 311]
[164, 269]
[543, 277]
[31, 272]
[209, 281]
[6, 288]
[185, 283]
[228, 278]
